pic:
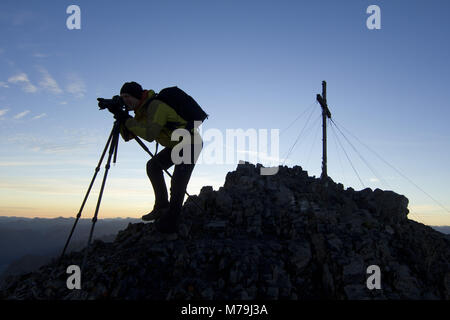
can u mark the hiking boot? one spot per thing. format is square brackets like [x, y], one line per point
[156, 213]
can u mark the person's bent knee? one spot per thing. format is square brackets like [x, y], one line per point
[152, 167]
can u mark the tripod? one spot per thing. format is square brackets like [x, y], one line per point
[112, 143]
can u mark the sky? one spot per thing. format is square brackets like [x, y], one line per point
[251, 65]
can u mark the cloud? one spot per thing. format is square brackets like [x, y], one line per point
[40, 186]
[22, 78]
[48, 82]
[22, 114]
[40, 55]
[24, 164]
[15, 163]
[426, 209]
[66, 143]
[260, 156]
[3, 111]
[20, 18]
[3, 84]
[39, 116]
[76, 86]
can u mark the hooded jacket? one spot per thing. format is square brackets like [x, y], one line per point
[156, 121]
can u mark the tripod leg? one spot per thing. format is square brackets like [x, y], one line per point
[112, 148]
[97, 169]
[115, 150]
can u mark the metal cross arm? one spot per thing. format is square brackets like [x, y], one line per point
[323, 104]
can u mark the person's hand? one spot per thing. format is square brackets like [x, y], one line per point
[121, 115]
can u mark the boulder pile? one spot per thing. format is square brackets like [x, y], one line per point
[266, 237]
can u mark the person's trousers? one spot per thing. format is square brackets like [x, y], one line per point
[180, 177]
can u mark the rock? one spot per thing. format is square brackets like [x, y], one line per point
[389, 230]
[355, 271]
[334, 243]
[217, 224]
[447, 285]
[300, 255]
[208, 294]
[224, 202]
[244, 295]
[328, 281]
[356, 292]
[405, 284]
[272, 293]
[284, 197]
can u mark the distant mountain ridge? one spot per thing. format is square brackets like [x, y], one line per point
[443, 229]
[27, 243]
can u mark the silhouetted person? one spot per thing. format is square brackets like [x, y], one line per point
[156, 121]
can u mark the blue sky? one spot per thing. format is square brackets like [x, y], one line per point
[250, 64]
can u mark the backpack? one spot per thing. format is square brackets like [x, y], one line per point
[183, 104]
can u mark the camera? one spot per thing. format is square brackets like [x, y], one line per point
[114, 104]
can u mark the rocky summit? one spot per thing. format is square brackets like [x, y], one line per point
[267, 237]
